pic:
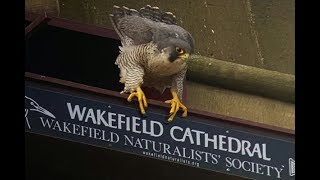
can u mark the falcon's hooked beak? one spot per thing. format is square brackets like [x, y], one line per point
[184, 56]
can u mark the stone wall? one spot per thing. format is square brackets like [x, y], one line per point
[254, 33]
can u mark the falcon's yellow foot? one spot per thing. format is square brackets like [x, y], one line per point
[175, 106]
[141, 99]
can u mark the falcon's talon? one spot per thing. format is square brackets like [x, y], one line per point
[175, 106]
[141, 99]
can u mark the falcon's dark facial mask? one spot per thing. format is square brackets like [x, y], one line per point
[173, 56]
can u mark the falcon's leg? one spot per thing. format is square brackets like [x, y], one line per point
[141, 99]
[175, 106]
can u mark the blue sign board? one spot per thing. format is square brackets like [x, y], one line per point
[184, 141]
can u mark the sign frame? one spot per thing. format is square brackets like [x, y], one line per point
[97, 94]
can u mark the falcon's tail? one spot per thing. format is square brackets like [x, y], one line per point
[121, 14]
[117, 14]
[155, 14]
[152, 13]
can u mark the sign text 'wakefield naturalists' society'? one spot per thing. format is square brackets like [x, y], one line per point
[183, 141]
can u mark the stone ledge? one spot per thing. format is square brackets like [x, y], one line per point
[240, 105]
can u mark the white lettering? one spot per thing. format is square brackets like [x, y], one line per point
[135, 125]
[100, 117]
[90, 114]
[46, 123]
[238, 145]
[76, 111]
[278, 172]
[84, 129]
[245, 147]
[75, 129]
[253, 167]
[256, 149]
[213, 140]
[152, 126]
[120, 120]
[66, 128]
[111, 119]
[222, 142]
[56, 125]
[264, 152]
[172, 135]
[188, 134]
[198, 135]
[127, 139]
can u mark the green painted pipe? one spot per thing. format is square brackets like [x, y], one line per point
[243, 78]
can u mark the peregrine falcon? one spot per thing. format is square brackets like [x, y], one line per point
[153, 53]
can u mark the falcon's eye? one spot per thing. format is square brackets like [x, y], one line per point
[179, 50]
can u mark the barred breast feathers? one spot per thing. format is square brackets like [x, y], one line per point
[136, 54]
[131, 62]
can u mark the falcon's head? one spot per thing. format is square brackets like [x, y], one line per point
[175, 49]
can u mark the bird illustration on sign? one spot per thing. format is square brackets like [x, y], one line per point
[32, 105]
